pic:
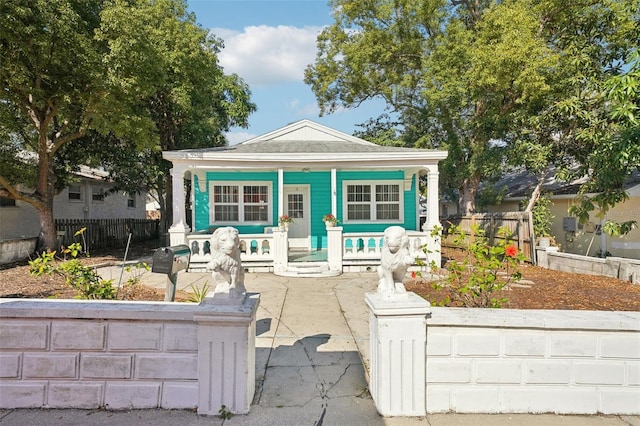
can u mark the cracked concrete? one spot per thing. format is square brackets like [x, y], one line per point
[309, 358]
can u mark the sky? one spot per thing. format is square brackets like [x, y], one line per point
[269, 43]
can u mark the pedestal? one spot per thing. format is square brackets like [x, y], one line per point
[334, 248]
[542, 259]
[226, 356]
[178, 234]
[398, 337]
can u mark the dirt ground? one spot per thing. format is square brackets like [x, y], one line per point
[16, 282]
[543, 288]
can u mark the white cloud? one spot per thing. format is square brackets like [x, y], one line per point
[264, 55]
[235, 138]
[308, 110]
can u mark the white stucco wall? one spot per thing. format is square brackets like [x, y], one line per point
[20, 221]
[533, 361]
[127, 355]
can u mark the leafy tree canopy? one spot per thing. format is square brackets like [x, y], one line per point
[478, 78]
[78, 77]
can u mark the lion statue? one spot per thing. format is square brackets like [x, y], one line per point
[228, 274]
[394, 261]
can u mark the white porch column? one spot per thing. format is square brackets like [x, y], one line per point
[179, 229]
[334, 193]
[280, 193]
[433, 217]
[433, 199]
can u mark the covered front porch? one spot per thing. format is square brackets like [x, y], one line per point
[319, 250]
[345, 252]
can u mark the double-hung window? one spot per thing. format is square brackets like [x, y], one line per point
[97, 194]
[131, 200]
[378, 201]
[75, 193]
[240, 202]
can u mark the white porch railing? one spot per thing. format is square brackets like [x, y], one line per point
[254, 249]
[361, 249]
[368, 245]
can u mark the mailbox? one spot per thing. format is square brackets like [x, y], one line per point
[170, 260]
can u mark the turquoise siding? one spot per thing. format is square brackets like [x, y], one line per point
[320, 203]
[410, 207]
[201, 199]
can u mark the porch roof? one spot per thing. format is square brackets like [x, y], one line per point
[306, 142]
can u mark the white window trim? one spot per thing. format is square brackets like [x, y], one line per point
[372, 203]
[241, 184]
[80, 191]
[101, 192]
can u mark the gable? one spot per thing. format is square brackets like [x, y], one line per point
[307, 130]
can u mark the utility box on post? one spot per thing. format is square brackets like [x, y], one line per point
[169, 261]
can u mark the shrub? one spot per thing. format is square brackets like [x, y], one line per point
[484, 271]
[84, 279]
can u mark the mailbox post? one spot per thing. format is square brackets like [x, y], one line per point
[169, 261]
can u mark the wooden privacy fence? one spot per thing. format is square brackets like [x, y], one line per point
[101, 233]
[520, 225]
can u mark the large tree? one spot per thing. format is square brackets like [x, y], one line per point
[73, 73]
[191, 101]
[459, 75]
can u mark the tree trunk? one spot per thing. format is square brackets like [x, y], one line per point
[48, 238]
[537, 191]
[468, 191]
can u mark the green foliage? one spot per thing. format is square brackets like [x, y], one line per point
[198, 294]
[617, 229]
[135, 276]
[542, 216]
[485, 270]
[224, 413]
[435, 234]
[82, 278]
[106, 83]
[490, 196]
[463, 76]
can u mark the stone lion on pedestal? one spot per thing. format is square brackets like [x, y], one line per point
[227, 271]
[394, 261]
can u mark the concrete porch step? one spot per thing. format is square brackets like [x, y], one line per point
[308, 270]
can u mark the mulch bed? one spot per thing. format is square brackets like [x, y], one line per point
[549, 289]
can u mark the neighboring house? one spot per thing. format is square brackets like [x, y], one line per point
[88, 199]
[571, 236]
[303, 170]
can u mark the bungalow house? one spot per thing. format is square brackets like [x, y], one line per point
[305, 171]
[571, 236]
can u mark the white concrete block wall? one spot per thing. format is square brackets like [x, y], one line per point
[91, 354]
[510, 361]
[625, 269]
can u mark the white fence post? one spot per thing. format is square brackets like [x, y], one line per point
[227, 356]
[398, 337]
[280, 250]
[334, 248]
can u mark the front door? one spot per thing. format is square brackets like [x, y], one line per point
[296, 206]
